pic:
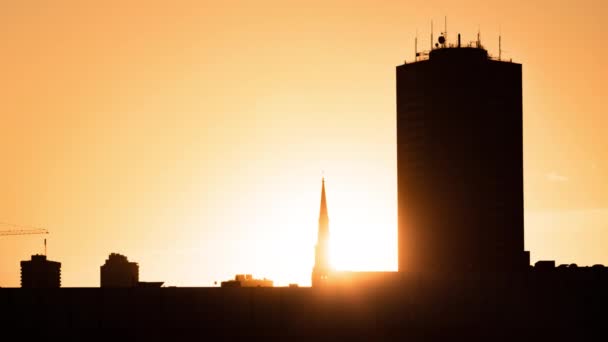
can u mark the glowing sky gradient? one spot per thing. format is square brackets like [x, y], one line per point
[191, 136]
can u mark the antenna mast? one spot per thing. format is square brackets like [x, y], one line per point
[499, 48]
[499, 43]
[445, 28]
[431, 34]
[416, 46]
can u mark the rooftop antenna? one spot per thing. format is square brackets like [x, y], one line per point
[44, 247]
[445, 28]
[431, 34]
[499, 43]
[416, 46]
[478, 36]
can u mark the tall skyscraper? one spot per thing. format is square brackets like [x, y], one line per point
[119, 272]
[322, 269]
[460, 163]
[40, 273]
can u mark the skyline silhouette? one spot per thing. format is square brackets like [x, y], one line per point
[463, 273]
[188, 134]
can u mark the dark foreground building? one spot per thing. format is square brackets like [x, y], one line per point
[460, 163]
[40, 273]
[547, 306]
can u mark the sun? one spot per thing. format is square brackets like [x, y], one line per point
[361, 239]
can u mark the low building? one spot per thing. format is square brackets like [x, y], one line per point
[247, 280]
[544, 265]
[40, 273]
[150, 284]
[119, 272]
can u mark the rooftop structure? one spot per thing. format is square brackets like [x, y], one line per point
[247, 280]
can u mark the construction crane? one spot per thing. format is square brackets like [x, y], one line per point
[23, 230]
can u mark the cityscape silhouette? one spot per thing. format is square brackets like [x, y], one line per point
[204, 170]
[463, 271]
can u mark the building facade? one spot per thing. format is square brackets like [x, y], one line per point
[460, 163]
[40, 273]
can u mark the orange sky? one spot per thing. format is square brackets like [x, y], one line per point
[191, 135]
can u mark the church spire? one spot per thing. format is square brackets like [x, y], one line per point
[323, 210]
[322, 268]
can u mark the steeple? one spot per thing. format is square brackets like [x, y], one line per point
[323, 211]
[322, 267]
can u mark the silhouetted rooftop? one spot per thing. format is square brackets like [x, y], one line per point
[459, 52]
